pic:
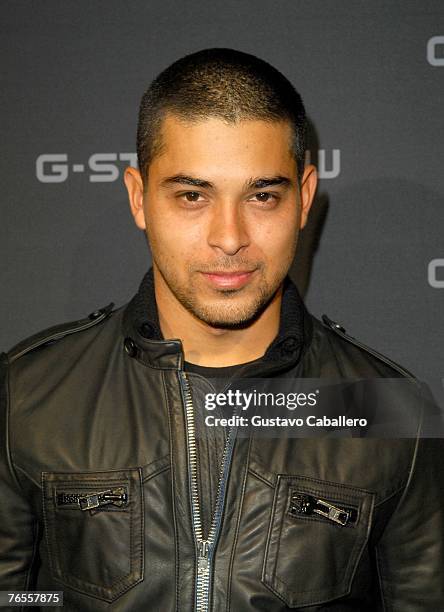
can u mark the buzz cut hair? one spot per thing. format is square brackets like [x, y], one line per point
[219, 83]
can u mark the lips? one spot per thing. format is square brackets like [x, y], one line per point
[228, 280]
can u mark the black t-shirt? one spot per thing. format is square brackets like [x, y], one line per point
[218, 375]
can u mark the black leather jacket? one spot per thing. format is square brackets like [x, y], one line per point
[98, 495]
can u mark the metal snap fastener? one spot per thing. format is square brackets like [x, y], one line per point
[130, 347]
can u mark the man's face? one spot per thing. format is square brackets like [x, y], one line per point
[222, 212]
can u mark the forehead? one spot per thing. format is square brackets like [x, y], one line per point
[215, 146]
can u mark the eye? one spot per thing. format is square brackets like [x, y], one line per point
[264, 197]
[191, 199]
[191, 196]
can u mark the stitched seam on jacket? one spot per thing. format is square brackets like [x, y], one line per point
[378, 571]
[146, 363]
[161, 368]
[261, 478]
[398, 505]
[28, 476]
[144, 478]
[142, 526]
[35, 531]
[8, 450]
[328, 336]
[236, 535]
[7, 430]
[411, 471]
[383, 501]
[156, 473]
[176, 541]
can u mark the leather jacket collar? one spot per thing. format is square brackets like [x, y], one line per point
[144, 340]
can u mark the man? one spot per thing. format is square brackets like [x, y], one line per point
[113, 489]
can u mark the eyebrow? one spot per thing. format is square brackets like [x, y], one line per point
[262, 182]
[183, 179]
[252, 183]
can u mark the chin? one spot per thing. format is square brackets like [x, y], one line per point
[227, 323]
[231, 317]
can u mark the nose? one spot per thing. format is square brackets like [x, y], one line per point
[227, 229]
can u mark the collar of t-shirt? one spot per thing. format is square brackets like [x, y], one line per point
[225, 372]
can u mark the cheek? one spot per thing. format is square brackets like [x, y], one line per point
[171, 236]
[276, 235]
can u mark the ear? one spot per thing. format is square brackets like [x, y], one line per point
[309, 182]
[134, 186]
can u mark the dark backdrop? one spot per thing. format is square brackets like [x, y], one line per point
[371, 76]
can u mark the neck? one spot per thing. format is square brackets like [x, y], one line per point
[210, 346]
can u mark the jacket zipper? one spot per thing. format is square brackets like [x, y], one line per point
[90, 500]
[304, 504]
[204, 548]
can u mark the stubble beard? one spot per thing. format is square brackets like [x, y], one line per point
[224, 311]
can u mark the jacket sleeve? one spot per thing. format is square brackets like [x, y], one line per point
[17, 524]
[411, 552]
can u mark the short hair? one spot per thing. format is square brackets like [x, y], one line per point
[223, 83]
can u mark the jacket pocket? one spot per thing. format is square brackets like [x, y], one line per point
[94, 530]
[316, 536]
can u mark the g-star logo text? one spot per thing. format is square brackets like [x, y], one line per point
[54, 167]
[104, 167]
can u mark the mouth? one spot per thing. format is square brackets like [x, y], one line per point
[228, 280]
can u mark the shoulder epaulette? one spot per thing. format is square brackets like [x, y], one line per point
[56, 332]
[340, 331]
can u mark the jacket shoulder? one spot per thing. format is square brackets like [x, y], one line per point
[392, 367]
[57, 332]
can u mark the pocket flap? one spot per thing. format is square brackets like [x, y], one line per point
[317, 532]
[94, 529]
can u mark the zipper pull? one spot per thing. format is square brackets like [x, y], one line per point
[203, 560]
[307, 504]
[337, 515]
[117, 497]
